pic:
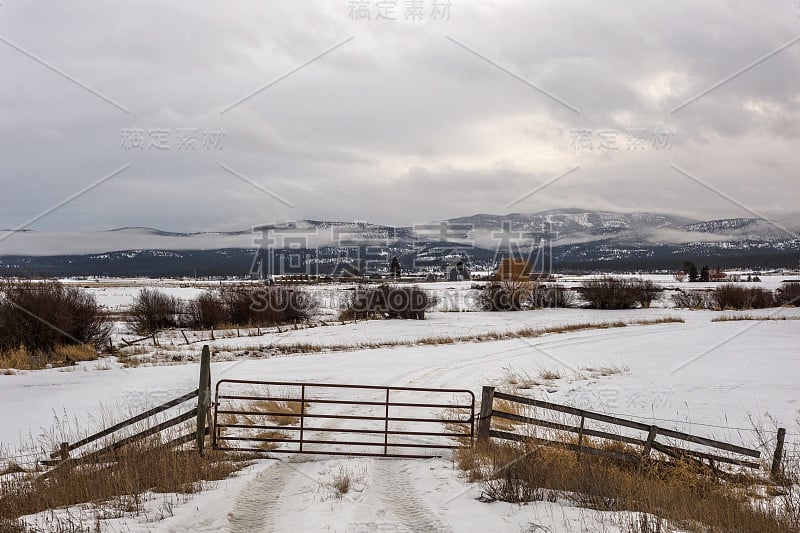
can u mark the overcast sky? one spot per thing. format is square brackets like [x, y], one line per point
[234, 114]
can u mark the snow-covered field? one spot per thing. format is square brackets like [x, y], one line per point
[708, 378]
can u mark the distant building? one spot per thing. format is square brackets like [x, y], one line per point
[511, 269]
[457, 272]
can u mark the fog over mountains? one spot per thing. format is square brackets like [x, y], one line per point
[572, 237]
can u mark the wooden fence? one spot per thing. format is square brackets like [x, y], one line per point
[646, 443]
[200, 412]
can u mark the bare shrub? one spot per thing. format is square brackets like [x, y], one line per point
[508, 295]
[206, 311]
[731, 296]
[387, 301]
[609, 292]
[693, 300]
[551, 296]
[267, 305]
[648, 291]
[38, 317]
[789, 293]
[153, 310]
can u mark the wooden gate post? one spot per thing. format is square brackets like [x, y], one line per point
[776, 459]
[203, 396]
[485, 416]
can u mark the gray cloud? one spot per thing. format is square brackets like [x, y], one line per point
[399, 125]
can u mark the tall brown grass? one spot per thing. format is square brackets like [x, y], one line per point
[127, 476]
[60, 355]
[678, 492]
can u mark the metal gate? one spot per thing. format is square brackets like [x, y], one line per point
[337, 419]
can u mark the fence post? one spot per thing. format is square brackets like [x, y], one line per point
[203, 396]
[776, 459]
[64, 451]
[651, 436]
[580, 437]
[485, 416]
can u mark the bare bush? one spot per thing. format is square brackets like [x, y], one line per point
[618, 293]
[730, 296]
[555, 296]
[387, 301]
[153, 310]
[789, 293]
[648, 291]
[206, 311]
[266, 305]
[693, 300]
[40, 316]
[507, 295]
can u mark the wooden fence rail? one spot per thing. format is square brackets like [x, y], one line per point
[647, 443]
[199, 412]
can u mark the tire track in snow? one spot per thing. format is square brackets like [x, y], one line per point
[396, 491]
[423, 376]
[257, 505]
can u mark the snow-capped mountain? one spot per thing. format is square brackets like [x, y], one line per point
[572, 237]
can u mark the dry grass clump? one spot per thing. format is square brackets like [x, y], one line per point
[266, 439]
[519, 379]
[343, 480]
[735, 318]
[129, 474]
[19, 359]
[659, 320]
[606, 370]
[549, 375]
[676, 492]
[72, 353]
[283, 413]
[60, 355]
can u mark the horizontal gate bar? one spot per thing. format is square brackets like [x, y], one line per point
[340, 386]
[342, 417]
[341, 402]
[344, 430]
[343, 442]
[320, 452]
